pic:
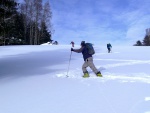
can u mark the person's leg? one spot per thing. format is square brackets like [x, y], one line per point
[84, 66]
[92, 66]
[108, 50]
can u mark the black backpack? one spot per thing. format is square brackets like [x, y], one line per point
[90, 48]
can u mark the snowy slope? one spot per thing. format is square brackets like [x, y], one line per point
[33, 80]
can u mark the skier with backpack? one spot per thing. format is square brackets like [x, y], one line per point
[87, 52]
[109, 47]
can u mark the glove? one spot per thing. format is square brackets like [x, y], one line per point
[72, 49]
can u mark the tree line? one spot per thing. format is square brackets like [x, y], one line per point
[27, 23]
[146, 41]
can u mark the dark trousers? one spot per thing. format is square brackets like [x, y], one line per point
[109, 50]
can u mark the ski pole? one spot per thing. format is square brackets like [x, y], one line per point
[69, 64]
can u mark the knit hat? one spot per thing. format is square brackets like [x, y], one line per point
[83, 43]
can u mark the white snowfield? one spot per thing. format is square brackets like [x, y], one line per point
[33, 80]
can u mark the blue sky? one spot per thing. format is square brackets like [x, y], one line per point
[120, 22]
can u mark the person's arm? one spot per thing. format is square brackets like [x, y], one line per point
[77, 50]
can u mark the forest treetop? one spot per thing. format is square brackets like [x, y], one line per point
[25, 23]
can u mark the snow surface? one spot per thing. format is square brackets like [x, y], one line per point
[33, 80]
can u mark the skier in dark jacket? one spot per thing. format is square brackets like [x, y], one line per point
[109, 47]
[88, 60]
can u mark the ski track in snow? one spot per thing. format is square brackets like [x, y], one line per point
[127, 62]
[132, 77]
[107, 76]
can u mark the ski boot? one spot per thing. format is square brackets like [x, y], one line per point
[99, 74]
[86, 74]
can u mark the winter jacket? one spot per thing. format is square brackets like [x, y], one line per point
[109, 46]
[84, 51]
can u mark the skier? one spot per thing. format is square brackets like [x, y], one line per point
[72, 43]
[109, 47]
[88, 60]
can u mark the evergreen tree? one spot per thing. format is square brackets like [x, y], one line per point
[45, 35]
[146, 41]
[138, 43]
[18, 30]
[27, 26]
[8, 9]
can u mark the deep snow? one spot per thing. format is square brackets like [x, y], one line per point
[33, 80]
